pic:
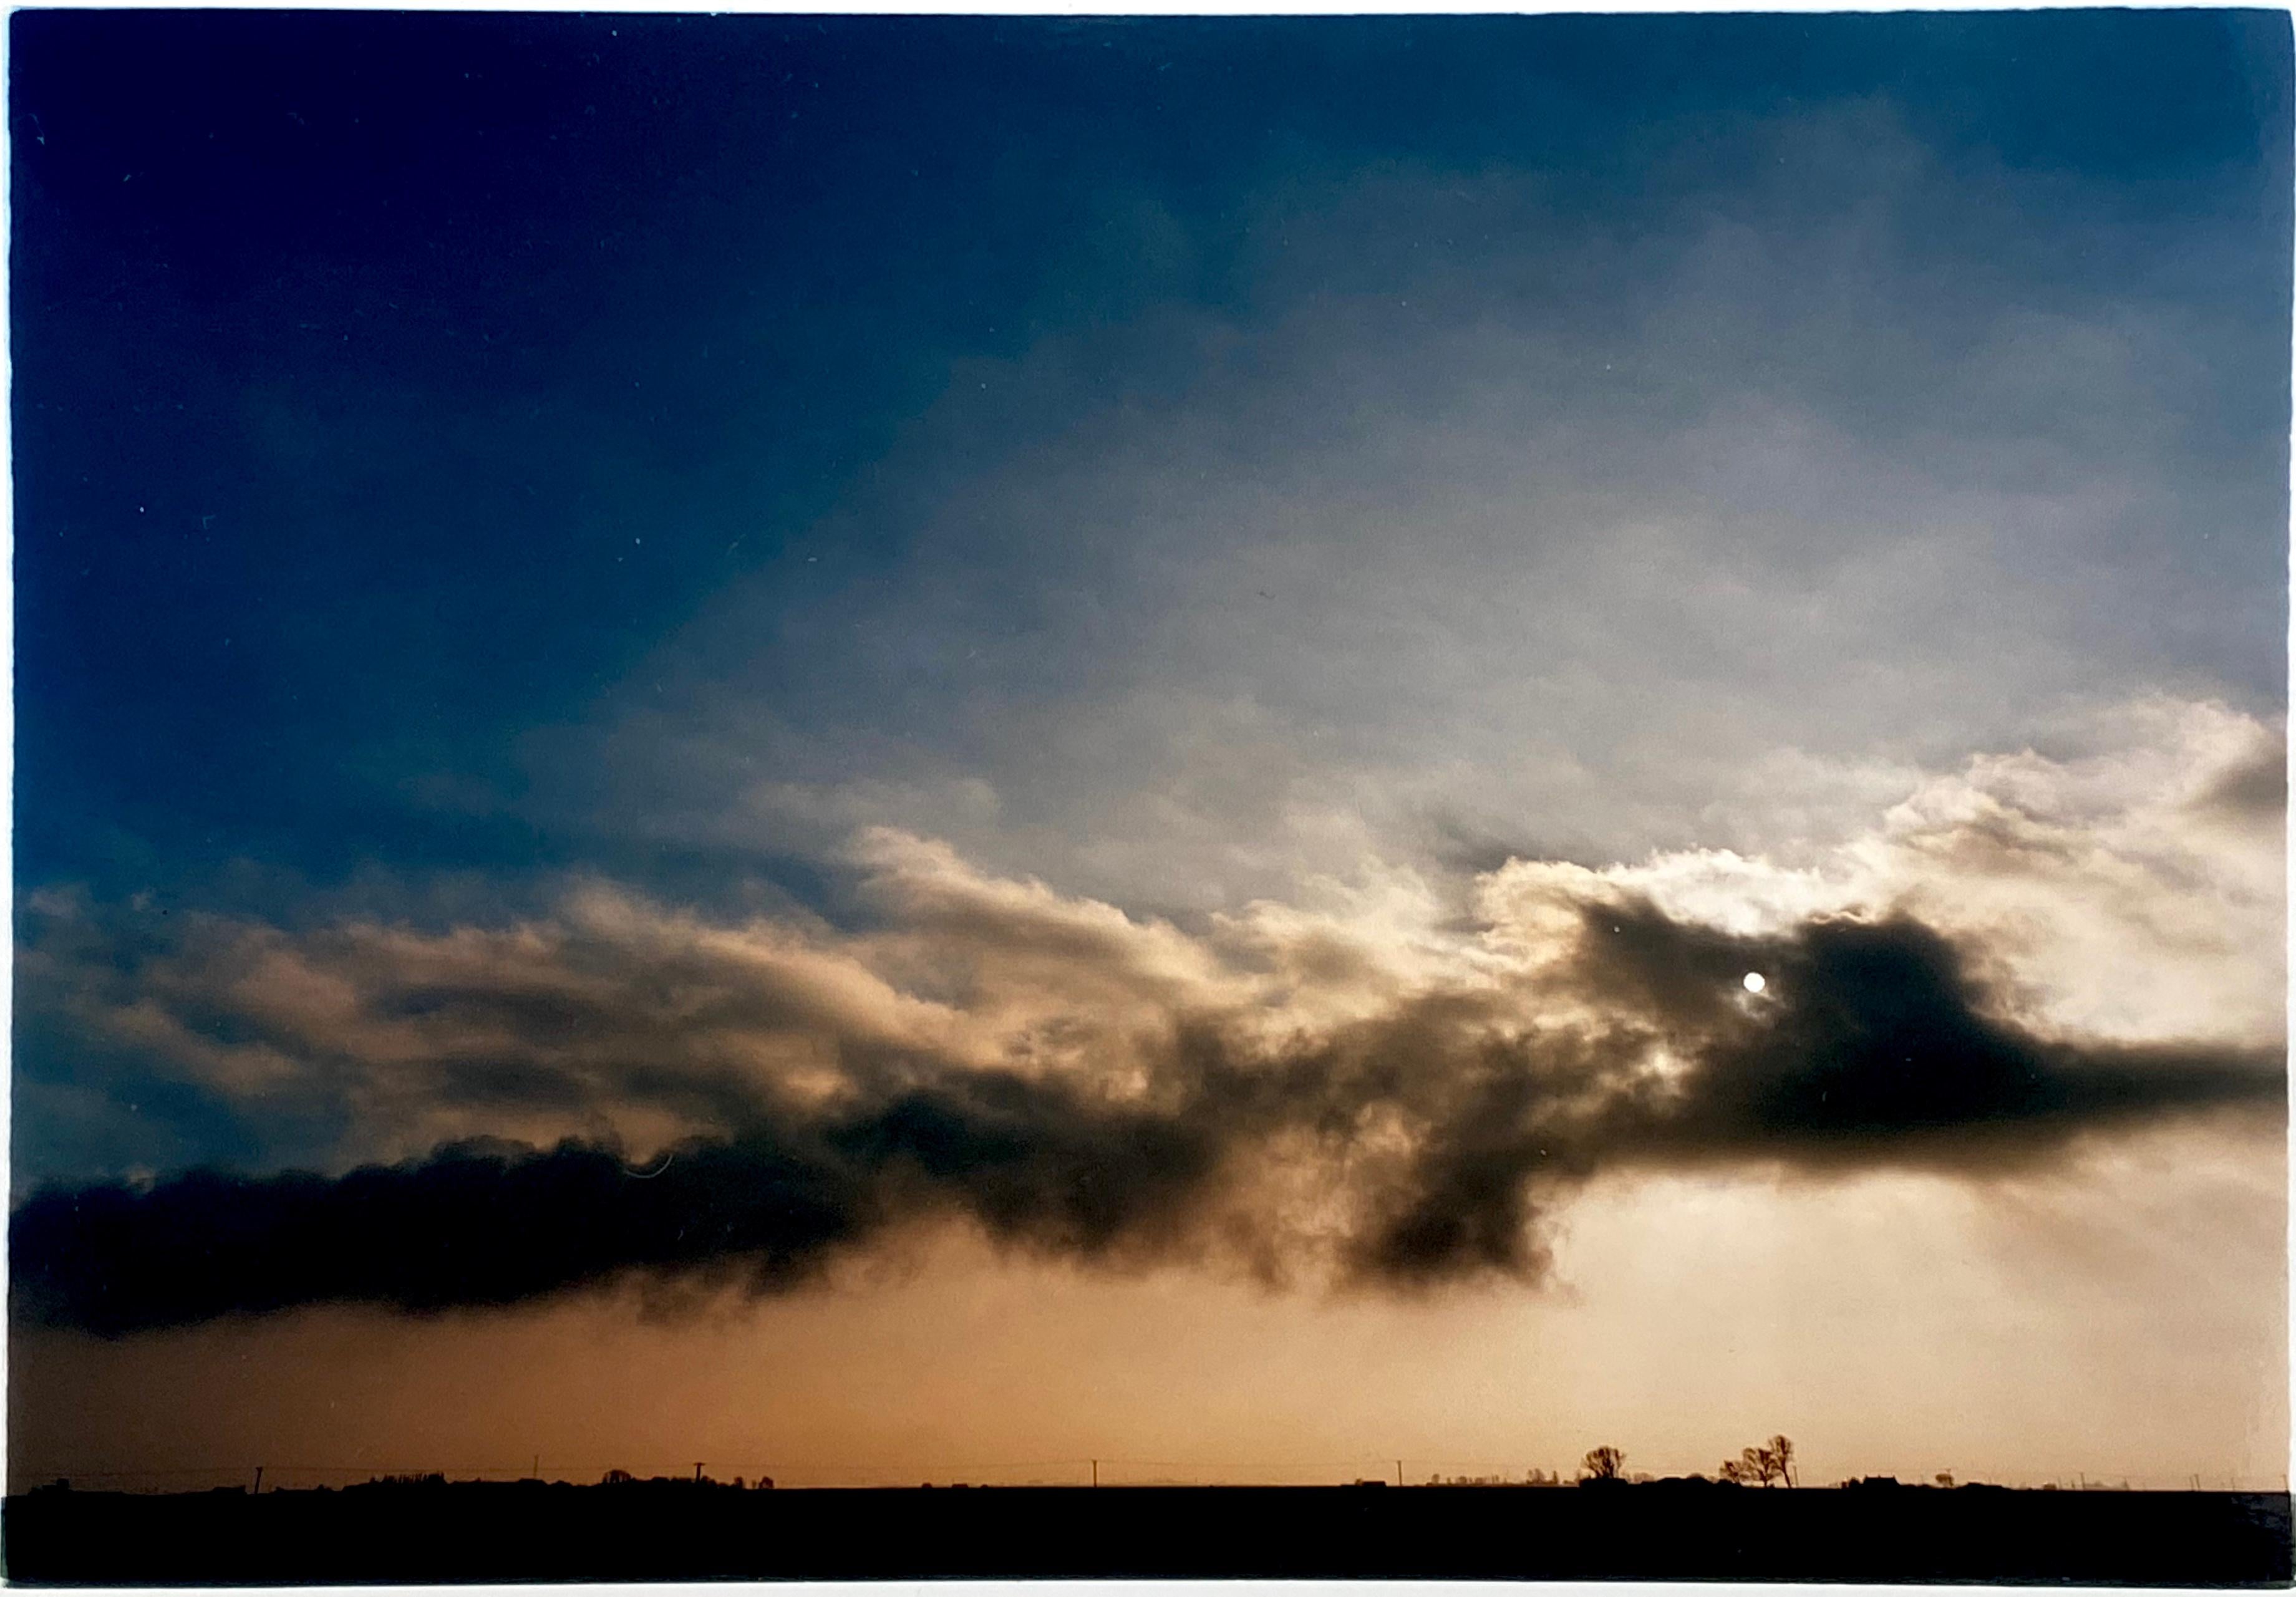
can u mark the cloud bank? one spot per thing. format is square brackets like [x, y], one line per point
[1364, 1087]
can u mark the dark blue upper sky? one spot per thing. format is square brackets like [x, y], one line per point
[388, 386]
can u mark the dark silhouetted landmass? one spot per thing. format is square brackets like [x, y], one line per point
[665, 1531]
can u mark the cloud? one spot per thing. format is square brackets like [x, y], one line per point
[490, 1223]
[1360, 1086]
[1879, 1044]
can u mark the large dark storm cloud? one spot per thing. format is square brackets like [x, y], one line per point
[484, 1223]
[1440, 1130]
[1884, 1045]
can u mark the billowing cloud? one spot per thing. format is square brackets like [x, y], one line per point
[1362, 1087]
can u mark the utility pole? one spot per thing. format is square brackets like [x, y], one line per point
[697, 1474]
[1398, 1471]
[1095, 1473]
[258, 1480]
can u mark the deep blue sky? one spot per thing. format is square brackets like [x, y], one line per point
[353, 351]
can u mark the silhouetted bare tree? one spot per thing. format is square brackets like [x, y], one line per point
[1602, 1464]
[1781, 1450]
[1763, 1466]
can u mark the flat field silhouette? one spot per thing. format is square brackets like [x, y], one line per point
[682, 1531]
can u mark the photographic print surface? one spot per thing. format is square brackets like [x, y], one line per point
[1255, 757]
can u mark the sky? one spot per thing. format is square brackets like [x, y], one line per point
[925, 748]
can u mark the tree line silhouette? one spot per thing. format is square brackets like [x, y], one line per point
[1765, 1465]
[1770, 1464]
